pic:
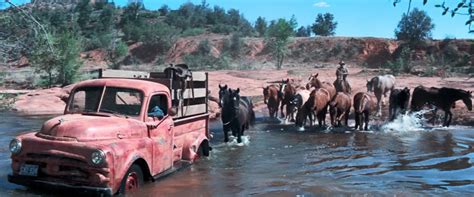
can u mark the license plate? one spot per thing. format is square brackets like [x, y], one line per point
[29, 170]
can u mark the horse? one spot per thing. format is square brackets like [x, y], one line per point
[363, 106]
[295, 104]
[399, 99]
[223, 91]
[442, 98]
[342, 86]
[380, 85]
[287, 91]
[236, 114]
[339, 108]
[316, 83]
[317, 104]
[271, 98]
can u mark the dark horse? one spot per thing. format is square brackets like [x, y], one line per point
[271, 98]
[398, 102]
[363, 107]
[441, 98]
[237, 114]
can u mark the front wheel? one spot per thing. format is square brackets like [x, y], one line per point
[132, 180]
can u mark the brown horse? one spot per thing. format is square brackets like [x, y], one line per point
[287, 91]
[342, 86]
[441, 98]
[363, 106]
[316, 83]
[271, 98]
[339, 108]
[317, 104]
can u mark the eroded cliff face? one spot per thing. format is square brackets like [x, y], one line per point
[372, 52]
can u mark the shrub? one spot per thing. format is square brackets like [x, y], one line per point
[193, 32]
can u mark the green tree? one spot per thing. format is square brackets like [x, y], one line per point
[84, 9]
[236, 44]
[117, 53]
[414, 27]
[324, 25]
[261, 26]
[62, 65]
[164, 10]
[303, 31]
[279, 32]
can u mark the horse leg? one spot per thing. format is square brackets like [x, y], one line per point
[379, 105]
[281, 110]
[226, 135]
[240, 133]
[446, 114]
[450, 118]
[433, 119]
[347, 117]
[356, 120]
[366, 116]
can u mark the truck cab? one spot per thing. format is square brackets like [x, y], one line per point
[115, 134]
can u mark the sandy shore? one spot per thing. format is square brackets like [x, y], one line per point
[250, 82]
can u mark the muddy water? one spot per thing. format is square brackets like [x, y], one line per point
[278, 160]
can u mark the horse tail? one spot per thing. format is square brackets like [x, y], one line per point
[363, 103]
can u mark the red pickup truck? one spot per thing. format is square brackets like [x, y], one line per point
[115, 134]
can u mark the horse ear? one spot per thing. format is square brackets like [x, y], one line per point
[287, 80]
[225, 86]
[220, 87]
[237, 91]
[317, 74]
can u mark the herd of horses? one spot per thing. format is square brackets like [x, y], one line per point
[307, 103]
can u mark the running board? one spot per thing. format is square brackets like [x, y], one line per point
[177, 166]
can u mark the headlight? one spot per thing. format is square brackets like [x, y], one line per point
[15, 146]
[98, 157]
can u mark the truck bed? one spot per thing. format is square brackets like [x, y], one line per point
[194, 99]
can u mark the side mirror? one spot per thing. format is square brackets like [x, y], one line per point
[172, 112]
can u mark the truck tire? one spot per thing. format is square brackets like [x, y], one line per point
[204, 149]
[132, 180]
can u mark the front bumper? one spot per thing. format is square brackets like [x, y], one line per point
[59, 187]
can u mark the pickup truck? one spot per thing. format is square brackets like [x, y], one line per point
[117, 132]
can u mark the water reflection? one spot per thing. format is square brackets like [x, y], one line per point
[281, 161]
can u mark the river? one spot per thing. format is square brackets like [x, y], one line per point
[278, 160]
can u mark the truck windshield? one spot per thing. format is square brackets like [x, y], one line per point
[119, 101]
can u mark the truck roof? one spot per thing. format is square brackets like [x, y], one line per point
[146, 86]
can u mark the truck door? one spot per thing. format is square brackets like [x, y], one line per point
[160, 126]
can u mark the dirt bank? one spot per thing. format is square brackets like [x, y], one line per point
[51, 101]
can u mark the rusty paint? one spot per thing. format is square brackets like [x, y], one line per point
[63, 147]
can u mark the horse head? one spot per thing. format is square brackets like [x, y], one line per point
[369, 85]
[266, 94]
[222, 94]
[467, 99]
[234, 98]
[313, 81]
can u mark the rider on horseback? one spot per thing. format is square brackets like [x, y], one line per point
[341, 72]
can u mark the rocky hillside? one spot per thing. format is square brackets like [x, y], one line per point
[371, 52]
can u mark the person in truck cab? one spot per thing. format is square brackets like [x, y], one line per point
[157, 107]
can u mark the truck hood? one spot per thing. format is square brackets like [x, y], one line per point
[88, 128]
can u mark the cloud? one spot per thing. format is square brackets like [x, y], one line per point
[321, 4]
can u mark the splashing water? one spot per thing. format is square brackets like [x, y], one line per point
[406, 122]
[233, 141]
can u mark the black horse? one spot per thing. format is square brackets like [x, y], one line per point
[441, 98]
[237, 114]
[398, 102]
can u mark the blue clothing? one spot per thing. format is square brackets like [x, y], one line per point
[156, 112]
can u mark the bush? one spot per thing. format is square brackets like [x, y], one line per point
[193, 32]
[324, 25]
[414, 27]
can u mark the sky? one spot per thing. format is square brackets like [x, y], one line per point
[355, 18]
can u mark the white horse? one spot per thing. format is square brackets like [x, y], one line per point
[381, 85]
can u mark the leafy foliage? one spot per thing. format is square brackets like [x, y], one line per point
[279, 33]
[324, 25]
[414, 27]
[303, 31]
[261, 26]
[459, 7]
